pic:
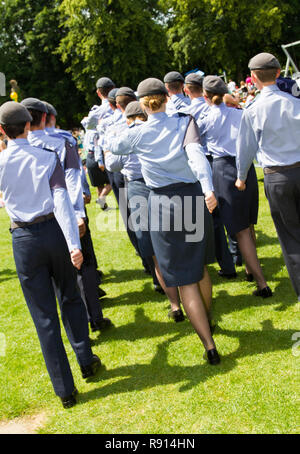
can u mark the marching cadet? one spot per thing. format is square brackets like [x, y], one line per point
[174, 83]
[45, 236]
[271, 127]
[193, 87]
[169, 171]
[238, 211]
[88, 276]
[96, 170]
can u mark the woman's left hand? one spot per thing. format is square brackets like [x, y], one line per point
[211, 201]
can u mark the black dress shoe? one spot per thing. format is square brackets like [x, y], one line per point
[101, 325]
[177, 316]
[69, 401]
[212, 356]
[249, 277]
[101, 292]
[159, 289]
[264, 292]
[227, 275]
[91, 369]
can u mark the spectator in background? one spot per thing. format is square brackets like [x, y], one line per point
[3, 142]
[231, 86]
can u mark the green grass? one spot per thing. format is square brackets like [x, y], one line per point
[155, 380]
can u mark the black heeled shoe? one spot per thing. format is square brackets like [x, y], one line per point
[264, 292]
[249, 277]
[212, 356]
[177, 316]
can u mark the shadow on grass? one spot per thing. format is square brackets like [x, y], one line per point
[118, 276]
[8, 274]
[146, 295]
[159, 372]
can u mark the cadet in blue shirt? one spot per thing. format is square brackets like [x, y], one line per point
[271, 127]
[174, 83]
[88, 276]
[172, 162]
[96, 170]
[45, 236]
[219, 130]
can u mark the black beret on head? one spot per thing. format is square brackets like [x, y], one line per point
[173, 76]
[264, 61]
[104, 82]
[13, 113]
[134, 108]
[194, 79]
[51, 109]
[34, 104]
[215, 84]
[150, 87]
[112, 94]
[126, 91]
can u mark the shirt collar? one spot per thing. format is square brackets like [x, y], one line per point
[38, 132]
[158, 116]
[199, 100]
[17, 142]
[270, 89]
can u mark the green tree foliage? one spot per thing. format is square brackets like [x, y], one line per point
[121, 39]
[29, 37]
[218, 35]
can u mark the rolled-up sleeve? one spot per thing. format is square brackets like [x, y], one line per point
[246, 146]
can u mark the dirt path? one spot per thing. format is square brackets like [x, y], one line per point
[25, 425]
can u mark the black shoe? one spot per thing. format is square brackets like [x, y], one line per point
[227, 275]
[101, 325]
[237, 260]
[212, 356]
[264, 293]
[101, 292]
[249, 277]
[159, 289]
[177, 316]
[91, 369]
[69, 401]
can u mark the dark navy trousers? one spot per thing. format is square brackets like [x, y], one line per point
[41, 254]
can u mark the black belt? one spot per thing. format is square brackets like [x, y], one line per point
[274, 169]
[18, 225]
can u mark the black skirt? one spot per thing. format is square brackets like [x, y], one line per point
[238, 209]
[181, 233]
[97, 177]
[138, 195]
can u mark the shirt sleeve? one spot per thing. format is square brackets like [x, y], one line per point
[113, 163]
[121, 145]
[65, 216]
[74, 187]
[199, 166]
[246, 146]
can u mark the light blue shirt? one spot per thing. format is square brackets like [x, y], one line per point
[219, 130]
[198, 108]
[62, 133]
[25, 175]
[41, 139]
[178, 102]
[159, 146]
[90, 124]
[102, 128]
[128, 165]
[270, 127]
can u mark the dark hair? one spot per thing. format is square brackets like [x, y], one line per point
[105, 90]
[36, 117]
[13, 131]
[124, 100]
[176, 86]
[266, 75]
[195, 89]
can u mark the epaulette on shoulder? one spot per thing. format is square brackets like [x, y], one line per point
[182, 114]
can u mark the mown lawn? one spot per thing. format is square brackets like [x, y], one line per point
[154, 379]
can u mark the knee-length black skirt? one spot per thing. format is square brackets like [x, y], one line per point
[97, 176]
[238, 209]
[181, 230]
[138, 195]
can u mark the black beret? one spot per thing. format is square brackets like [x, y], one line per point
[151, 86]
[104, 82]
[264, 61]
[34, 104]
[112, 94]
[173, 76]
[194, 79]
[215, 84]
[13, 113]
[51, 109]
[126, 91]
[134, 108]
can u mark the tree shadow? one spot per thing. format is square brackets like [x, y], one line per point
[118, 276]
[146, 295]
[263, 239]
[7, 274]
